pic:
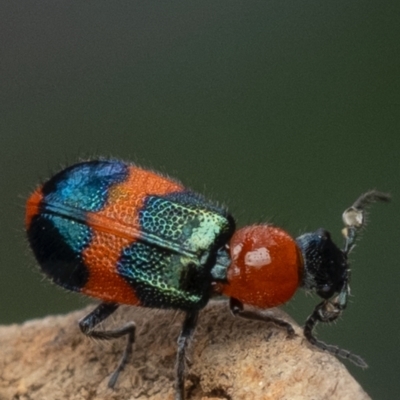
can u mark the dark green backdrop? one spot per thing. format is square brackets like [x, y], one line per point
[283, 110]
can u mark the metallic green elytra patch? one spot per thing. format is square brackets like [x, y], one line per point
[169, 266]
[191, 227]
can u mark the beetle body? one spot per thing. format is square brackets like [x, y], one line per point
[127, 235]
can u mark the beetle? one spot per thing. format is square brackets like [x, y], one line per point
[127, 235]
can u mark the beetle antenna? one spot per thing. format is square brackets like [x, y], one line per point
[354, 216]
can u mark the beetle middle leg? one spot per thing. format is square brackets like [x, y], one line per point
[189, 324]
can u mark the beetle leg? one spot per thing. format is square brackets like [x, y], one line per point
[237, 309]
[189, 324]
[328, 311]
[99, 314]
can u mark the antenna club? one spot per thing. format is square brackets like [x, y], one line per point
[354, 217]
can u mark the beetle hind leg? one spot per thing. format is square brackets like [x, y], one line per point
[98, 315]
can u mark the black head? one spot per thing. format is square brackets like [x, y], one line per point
[325, 266]
[326, 269]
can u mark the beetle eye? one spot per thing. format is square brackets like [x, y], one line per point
[325, 288]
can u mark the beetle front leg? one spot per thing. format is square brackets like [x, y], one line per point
[328, 311]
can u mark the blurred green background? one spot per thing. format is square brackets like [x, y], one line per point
[285, 111]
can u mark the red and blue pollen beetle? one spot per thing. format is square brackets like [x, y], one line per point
[127, 235]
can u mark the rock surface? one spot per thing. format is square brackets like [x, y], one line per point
[230, 358]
